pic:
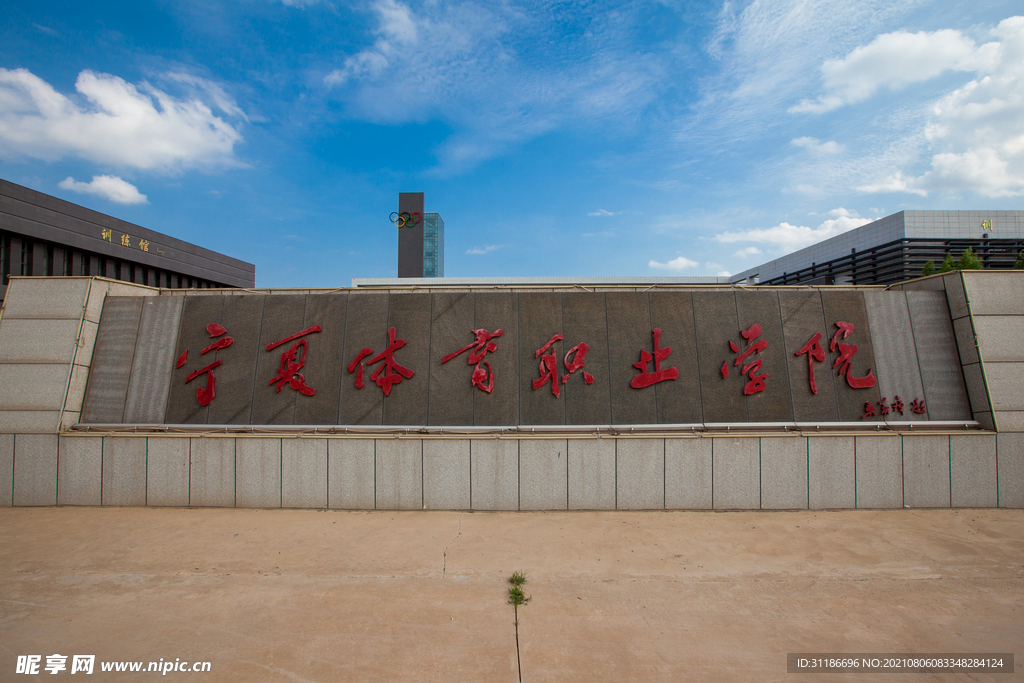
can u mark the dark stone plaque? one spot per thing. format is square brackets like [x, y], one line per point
[678, 399]
[283, 316]
[325, 362]
[584, 322]
[848, 306]
[242, 317]
[540, 319]
[409, 314]
[154, 359]
[366, 326]
[945, 394]
[451, 385]
[629, 330]
[499, 311]
[112, 360]
[802, 318]
[182, 405]
[714, 314]
[775, 403]
[895, 353]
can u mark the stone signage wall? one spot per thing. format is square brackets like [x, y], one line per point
[666, 356]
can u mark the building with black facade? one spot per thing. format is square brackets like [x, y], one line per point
[896, 248]
[43, 235]
[420, 238]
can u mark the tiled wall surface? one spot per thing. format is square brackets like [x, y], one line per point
[43, 465]
[743, 473]
[905, 339]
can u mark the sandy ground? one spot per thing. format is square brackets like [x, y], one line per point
[293, 595]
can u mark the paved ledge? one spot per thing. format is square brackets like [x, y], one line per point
[308, 595]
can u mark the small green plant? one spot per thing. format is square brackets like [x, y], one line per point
[969, 261]
[517, 598]
[929, 269]
[1019, 263]
[948, 265]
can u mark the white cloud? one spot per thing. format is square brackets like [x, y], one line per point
[786, 238]
[485, 250]
[748, 251]
[892, 183]
[816, 146]
[119, 123]
[894, 61]
[969, 139]
[499, 73]
[107, 186]
[602, 212]
[723, 273]
[680, 263]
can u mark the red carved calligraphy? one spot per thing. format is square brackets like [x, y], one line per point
[756, 382]
[869, 410]
[917, 406]
[389, 373]
[846, 354]
[646, 379]
[206, 394]
[481, 379]
[293, 360]
[575, 359]
[814, 353]
[897, 405]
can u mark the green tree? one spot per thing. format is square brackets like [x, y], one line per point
[929, 269]
[1019, 263]
[969, 261]
[948, 265]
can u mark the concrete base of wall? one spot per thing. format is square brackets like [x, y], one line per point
[685, 473]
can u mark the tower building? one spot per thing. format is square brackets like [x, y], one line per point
[420, 238]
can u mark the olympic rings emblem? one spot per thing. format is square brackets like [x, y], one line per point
[406, 219]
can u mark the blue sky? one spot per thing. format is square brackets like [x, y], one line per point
[583, 138]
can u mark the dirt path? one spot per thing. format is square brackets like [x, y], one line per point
[290, 595]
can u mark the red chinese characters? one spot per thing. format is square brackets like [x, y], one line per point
[846, 353]
[481, 379]
[206, 394]
[646, 379]
[756, 382]
[549, 364]
[292, 361]
[388, 374]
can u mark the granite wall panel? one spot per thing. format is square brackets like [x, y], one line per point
[848, 306]
[494, 472]
[802, 318]
[944, 391]
[499, 311]
[325, 360]
[451, 329]
[629, 330]
[242, 317]
[540, 319]
[408, 404]
[774, 404]
[678, 400]
[282, 317]
[717, 324]
[366, 325]
[154, 359]
[112, 360]
[182, 404]
[591, 474]
[584, 322]
[688, 473]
